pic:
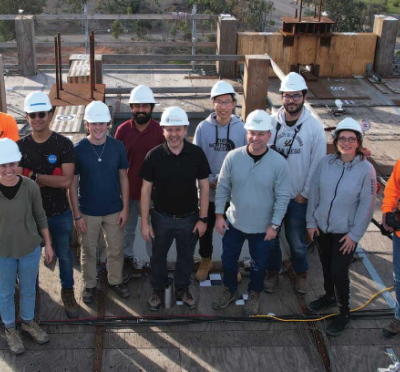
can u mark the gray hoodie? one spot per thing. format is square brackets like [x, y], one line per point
[342, 196]
[213, 139]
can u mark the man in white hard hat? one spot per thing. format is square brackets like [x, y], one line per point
[255, 178]
[170, 172]
[300, 138]
[100, 175]
[140, 134]
[43, 152]
[220, 133]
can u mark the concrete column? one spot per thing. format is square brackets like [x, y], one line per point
[226, 44]
[3, 101]
[25, 37]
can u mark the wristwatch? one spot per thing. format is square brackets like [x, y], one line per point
[275, 227]
[203, 219]
[34, 176]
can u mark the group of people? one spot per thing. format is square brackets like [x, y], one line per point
[245, 179]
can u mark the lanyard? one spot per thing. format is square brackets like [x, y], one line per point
[227, 136]
[282, 152]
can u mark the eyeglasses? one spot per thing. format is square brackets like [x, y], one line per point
[344, 139]
[295, 97]
[223, 103]
[41, 114]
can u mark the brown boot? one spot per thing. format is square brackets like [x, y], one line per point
[70, 306]
[205, 267]
[271, 281]
[301, 283]
[252, 304]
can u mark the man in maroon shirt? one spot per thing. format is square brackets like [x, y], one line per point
[139, 135]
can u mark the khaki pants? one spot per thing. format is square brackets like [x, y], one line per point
[114, 237]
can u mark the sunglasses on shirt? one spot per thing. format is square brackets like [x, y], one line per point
[41, 115]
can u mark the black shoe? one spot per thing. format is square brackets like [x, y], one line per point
[338, 325]
[127, 270]
[392, 329]
[88, 295]
[322, 303]
[120, 289]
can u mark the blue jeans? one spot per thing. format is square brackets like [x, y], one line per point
[61, 229]
[130, 230]
[27, 268]
[260, 250]
[295, 230]
[396, 273]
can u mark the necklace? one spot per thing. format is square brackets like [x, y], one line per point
[99, 157]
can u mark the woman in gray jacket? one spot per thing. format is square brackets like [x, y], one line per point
[340, 207]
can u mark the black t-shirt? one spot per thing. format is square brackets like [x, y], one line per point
[174, 177]
[256, 158]
[10, 191]
[43, 158]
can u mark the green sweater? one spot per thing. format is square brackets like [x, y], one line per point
[20, 220]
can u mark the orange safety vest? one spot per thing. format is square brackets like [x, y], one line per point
[392, 192]
[8, 127]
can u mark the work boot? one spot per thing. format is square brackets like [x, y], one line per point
[37, 333]
[322, 303]
[224, 299]
[271, 281]
[14, 341]
[127, 270]
[185, 296]
[392, 329]
[156, 300]
[340, 323]
[206, 265]
[70, 306]
[88, 295]
[301, 283]
[120, 289]
[252, 304]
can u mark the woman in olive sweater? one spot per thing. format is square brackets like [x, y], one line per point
[21, 217]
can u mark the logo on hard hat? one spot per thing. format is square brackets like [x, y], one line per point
[258, 121]
[167, 120]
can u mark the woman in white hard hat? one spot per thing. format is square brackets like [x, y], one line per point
[21, 217]
[340, 207]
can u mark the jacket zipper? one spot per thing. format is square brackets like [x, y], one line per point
[334, 197]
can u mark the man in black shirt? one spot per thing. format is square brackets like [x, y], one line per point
[48, 159]
[171, 171]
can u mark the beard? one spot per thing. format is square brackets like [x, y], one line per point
[298, 107]
[141, 120]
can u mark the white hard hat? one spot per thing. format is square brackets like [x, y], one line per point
[9, 151]
[174, 116]
[220, 88]
[97, 112]
[142, 94]
[258, 120]
[348, 124]
[37, 102]
[293, 82]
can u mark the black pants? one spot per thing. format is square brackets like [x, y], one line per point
[206, 246]
[335, 266]
[166, 229]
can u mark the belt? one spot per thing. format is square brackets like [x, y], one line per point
[177, 216]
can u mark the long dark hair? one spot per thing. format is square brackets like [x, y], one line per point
[359, 139]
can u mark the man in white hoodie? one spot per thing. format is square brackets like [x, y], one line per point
[220, 133]
[300, 138]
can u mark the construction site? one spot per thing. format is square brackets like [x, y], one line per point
[348, 75]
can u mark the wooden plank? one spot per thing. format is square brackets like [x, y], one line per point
[320, 90]
[68, 119]
[25, 37]
[172, 89]
[76, 94]
[226, 44]
[79, 73]
[114, 58]
[3, 97]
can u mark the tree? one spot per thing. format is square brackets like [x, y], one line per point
[258, 12]
[116, 29]
[7, 28]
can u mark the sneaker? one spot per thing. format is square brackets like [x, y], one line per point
[225, 298]
[70, 306]
[88, 295]
[127, 270]
[271, 281]
[185, 296]
[322, 303]
[392, 329]
[206, 265]
[156, 300]
[340, 323]
[14, 341]
[301, 283]
[120, 289]
[37, 333]
[252, 304]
